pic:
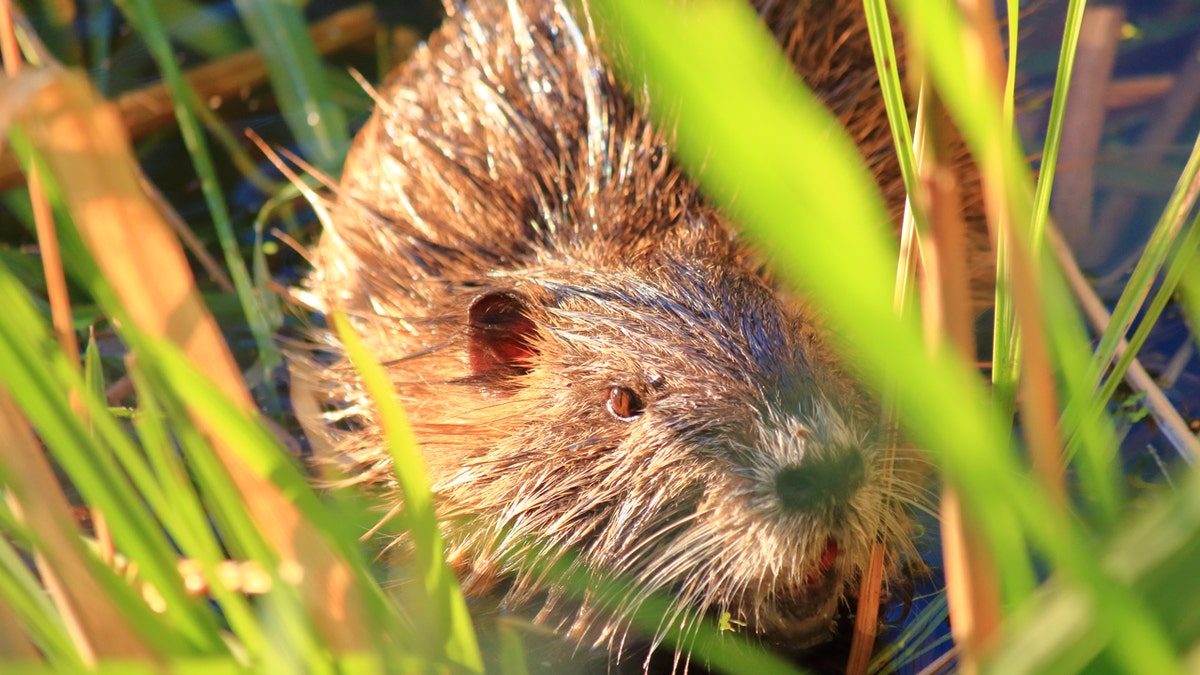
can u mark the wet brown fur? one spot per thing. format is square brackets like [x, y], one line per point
[505, 161]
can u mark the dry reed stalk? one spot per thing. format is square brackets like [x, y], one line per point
[971, 585]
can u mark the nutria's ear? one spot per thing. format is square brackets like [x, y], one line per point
[501, 334]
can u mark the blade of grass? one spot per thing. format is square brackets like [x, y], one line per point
[1181, 258]
[887, 63]
[963, 74]
[1182, 437]
[14, 644]
[449, 629]
[959, 69]
[1071, 199]
[1142, 279]
[1062, 630]
[1189, 296]
[289, 633]
[190, 524]
[971, 578]
[940, 31]
[298, 80]
[350, 594]
[856, 293]
[207, 30]
[93, 381]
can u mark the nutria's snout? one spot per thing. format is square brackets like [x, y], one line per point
[823, 481]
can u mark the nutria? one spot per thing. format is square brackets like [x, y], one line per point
[592, 359]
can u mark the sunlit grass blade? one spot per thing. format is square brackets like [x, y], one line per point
[887, 63]
[1096, 446]
[95, 605]
[189, 522]
[512, 651]
[1054, 127]
[148, 271]
[351, 595]
[964, 80]
[958, 67]
[208, 30]
[278, 643]
[450, 631]
[1189, 296]
[717, 97]
[1182, 258]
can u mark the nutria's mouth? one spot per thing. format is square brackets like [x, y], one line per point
[805, 619]
[828, 557]
[796, 615]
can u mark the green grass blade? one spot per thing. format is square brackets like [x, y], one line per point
[286, 632]
[936, 29]
[1182, 259]
[298, 80]
[1189, 296]
[260, 450]
[833, 242]
[205, 30]
[955, 64]
[189, 522]
[1006, 350]
[93, 372]
[1058, 111]
[1096, 444]
[1155, 554]
[450, 627]
[718, 91]
[883, 46]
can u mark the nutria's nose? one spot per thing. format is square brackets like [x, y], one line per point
[820, 480]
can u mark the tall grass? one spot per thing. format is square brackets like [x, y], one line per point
[191, 472]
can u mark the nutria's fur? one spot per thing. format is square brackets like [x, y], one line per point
[593, 361]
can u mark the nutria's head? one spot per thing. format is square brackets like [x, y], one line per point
[674, 422]
[595, 365]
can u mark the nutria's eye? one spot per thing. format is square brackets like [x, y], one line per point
[624, 404]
